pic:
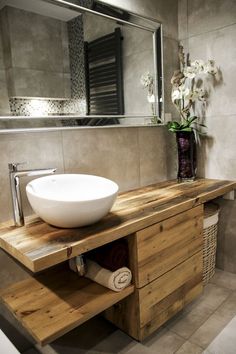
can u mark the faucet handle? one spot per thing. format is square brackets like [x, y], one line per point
[13, 166]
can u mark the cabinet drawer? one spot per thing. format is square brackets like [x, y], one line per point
[167, 295]
[164, 245]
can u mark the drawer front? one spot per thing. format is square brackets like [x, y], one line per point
[164, 245]
[167, 295]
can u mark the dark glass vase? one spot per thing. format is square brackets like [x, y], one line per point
[187, 157]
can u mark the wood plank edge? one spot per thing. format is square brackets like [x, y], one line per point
[43, 341]
[19, 256]
[111, 235]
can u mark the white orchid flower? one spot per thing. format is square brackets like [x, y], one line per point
[176, 95]
[186, 93]
[210, 67]
[198, 66]
[189, 72]
[146, 79]
[180, 93]
[151, 98]
[201, 94]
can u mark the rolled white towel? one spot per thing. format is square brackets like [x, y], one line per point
[115, 281]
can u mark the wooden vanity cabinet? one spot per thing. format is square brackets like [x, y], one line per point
[166, 260]
[163, 224]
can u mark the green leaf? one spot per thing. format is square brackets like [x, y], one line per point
[188, 129]
[191, 120]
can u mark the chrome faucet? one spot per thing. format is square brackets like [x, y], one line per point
[14, 175]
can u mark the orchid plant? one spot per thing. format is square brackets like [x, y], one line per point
[187, 92]
[147, 81]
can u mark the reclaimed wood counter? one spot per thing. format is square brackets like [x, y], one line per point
[163, 225]
[39, 246]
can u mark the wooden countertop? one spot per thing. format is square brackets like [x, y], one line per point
[39, 246]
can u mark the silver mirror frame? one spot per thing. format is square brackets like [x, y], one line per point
[155, 28]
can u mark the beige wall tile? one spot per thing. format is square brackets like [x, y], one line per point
[211, 32]
[109, 152]
[170, 53]
[26, 46]
[210, 46]
[183, 19]
[135, 95]
[164, 11]
[152, 146]
[36, 83]
[39, 150]
[208, 15]
[226, 254]
[4, 102]
[171, 155]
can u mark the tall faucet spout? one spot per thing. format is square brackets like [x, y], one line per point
[14, 175]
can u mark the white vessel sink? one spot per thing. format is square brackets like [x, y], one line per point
[71, 200]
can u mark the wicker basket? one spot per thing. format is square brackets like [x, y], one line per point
[210, 226]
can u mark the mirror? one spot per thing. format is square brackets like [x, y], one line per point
[78, 63]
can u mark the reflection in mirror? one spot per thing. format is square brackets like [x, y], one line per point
[77, 67]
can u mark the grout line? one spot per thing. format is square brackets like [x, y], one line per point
[188, 339]
[187, 26]
[206, 32]
[208, 319]
[63, 153]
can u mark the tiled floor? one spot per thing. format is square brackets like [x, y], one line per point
[208, 326]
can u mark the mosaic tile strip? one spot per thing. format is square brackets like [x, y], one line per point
[46, 107]
[76, 53]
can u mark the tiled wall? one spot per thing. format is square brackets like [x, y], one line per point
[121, 154]
[28, 72]
[131, 156]
[208, 31]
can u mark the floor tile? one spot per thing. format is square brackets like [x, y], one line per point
[225, 342]
[225, 279]
[196, 313]
[209, 330]
[213, 296]
[188, 322]
[163, 342]
[189, 348]
[227, 309]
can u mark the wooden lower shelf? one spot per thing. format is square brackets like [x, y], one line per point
[56, 302]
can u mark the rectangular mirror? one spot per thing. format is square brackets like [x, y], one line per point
[78, 63]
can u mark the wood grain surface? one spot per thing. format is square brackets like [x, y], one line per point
[150, 307]
[164, 245]
[53, 303]
[39, 246]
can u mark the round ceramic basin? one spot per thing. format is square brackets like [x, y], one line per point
[71, 200]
